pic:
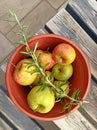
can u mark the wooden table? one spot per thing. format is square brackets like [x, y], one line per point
[80, 26]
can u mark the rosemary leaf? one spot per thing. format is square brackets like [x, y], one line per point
[35, 48]
[28, 50]
[21, 42]
[25, 53]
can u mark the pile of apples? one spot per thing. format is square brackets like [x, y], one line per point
[58, 67]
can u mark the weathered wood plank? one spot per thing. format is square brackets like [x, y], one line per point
[63, 24]
[76, 121]
[4, 125]
[90, 110]
[85, 14]
[20, 6]
[16, 117]
[93, 4]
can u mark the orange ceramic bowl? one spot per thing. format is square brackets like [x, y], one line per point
[80, 80]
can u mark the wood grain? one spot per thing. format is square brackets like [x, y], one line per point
[4, 125]
[90, 110]
[63, 24]
[16, 117]
[76, 120]
[85, 14]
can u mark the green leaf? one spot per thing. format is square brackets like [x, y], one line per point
[35, 48]
[11, 12]
[75, 101]
[25, 53]
[35, 72]
[21, 42]
[38, 57]
[28, 50]
[44, 67]
[43, 86]
[76, 94]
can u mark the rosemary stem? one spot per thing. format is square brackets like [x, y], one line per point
[33, 56]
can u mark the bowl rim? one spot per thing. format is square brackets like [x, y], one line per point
[29, 41]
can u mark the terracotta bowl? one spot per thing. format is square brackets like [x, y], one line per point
[80, 79]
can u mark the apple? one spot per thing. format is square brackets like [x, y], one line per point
[23, 74]
[49, 74]
[45, 59]
[63, 86]
[39, 79]
[64, 54]
[62, 72]
[41, 101]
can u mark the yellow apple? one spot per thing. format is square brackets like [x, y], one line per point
[23, 74]
[62, 72]
[63, 86]
[40, 80]
[41, 100]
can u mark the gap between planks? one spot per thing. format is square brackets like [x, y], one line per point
[63, 24]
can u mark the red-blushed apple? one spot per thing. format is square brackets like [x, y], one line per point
[41, 100]
[23, 74]
[64, 54]
[45, 59]
[63, 86]
[62, 72]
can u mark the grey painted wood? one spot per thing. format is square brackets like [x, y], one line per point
[90, 110]
[4, 125]
[75, 121]
[16, 117]
[85, 14]
[63, 24]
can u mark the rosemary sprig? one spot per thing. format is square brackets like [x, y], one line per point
[75, 97]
